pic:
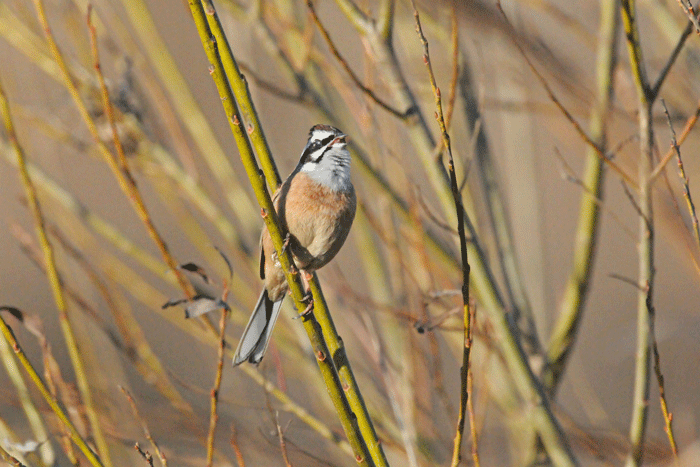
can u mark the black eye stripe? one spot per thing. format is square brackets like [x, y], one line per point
[316, 145]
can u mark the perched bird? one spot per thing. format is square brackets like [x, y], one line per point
[316, 205]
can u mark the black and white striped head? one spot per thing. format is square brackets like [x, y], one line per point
[326, 158]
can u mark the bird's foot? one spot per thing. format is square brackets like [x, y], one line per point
[285, 244]
[310, 307]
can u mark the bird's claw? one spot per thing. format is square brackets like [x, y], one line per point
[285, 244]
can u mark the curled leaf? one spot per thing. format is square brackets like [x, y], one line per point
[201, 305]
[192, 267]
[16, 312]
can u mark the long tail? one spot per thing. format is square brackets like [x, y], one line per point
[258, 331]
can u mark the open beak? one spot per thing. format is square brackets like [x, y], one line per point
[340, 140]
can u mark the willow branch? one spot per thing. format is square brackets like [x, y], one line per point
[52, 271]
[213, 415]
[336, 53]
[347, 377]
[645, 309]
[124, 177]
[46, 394]
[684, 178]
[277, 235]
[466, 350]
[239, 86]
[574, 299]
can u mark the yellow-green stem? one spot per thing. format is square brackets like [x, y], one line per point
[257, 179]
[53, 276]
[53, 403]
[645, 307]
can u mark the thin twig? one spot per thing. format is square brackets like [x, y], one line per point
[46, 394]
[635, 204]
[236, 447]
[671, 60]
[550, 93]
[106, 101]
[690, 13]
[470, 402]
[300, 97]
[145, 454]
[213, 415]
[452, 96]
[570, 176]
[464, 372]
[53, 275]
[124, 177]
[626, 280]
[684, 177]
[689, 125]
[668, 416]
[283, 444]
[346, 67]
[144, 426]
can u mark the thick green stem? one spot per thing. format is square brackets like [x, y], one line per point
[572, 305]
[257, 179]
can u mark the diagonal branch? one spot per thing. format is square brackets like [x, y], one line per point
[353, 76]
[257, 179]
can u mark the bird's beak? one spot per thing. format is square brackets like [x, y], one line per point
[340, 140]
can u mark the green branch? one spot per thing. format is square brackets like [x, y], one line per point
[257, 179]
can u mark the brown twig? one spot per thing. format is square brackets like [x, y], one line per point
[464, 392]
[684, 177]
[550, 93]
[690, 13]
[214, 416]
[470, 402]
[106, 101]
[668, 416]
[689, 125]
[236, 448]
[123, 176]
[346, 67]
[145, 454]
[144, 426]
[283, 444]
[300, 97]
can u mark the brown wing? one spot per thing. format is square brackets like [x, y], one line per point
[262, 249]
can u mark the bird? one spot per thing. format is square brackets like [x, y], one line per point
[316, 205]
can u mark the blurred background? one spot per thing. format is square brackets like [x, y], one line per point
[393, 290]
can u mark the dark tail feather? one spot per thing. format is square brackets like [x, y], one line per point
[258, 331]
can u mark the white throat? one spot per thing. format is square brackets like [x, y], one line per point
[332, 171]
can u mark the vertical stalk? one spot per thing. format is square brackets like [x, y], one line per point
[645, 310]
[574, 299]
